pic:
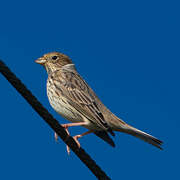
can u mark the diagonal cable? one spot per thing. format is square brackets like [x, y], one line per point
[53, 123]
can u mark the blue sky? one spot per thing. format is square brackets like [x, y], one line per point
[128, 51]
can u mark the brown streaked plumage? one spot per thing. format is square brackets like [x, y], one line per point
[73, 99]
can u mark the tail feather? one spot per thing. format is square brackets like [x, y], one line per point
[144, 136]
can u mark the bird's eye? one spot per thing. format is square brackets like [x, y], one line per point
[54, 57]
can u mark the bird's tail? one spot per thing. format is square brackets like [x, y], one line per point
[142, 135]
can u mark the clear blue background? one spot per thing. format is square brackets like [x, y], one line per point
[128, 51]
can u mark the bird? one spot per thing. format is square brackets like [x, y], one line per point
[72, 98]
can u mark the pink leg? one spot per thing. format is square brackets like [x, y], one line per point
[66, 126]
[76, 139]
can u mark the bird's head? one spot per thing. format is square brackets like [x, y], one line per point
[53, 61]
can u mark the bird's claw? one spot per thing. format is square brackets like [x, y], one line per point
[76, 139]
[65, 126]
[56, 136]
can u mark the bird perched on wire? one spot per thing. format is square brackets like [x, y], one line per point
[72, 98]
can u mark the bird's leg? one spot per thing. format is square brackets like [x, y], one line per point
[77, 137]
[66, 126]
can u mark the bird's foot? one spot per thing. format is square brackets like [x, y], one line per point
[76, 139]
[65, 126]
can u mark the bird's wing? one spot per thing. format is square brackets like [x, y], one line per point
[105, 137]
[80, 96]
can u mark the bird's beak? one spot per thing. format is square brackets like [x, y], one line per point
[41, 60]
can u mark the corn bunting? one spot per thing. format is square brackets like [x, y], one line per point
[72, 98]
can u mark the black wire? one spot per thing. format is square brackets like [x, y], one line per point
[53, 123]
